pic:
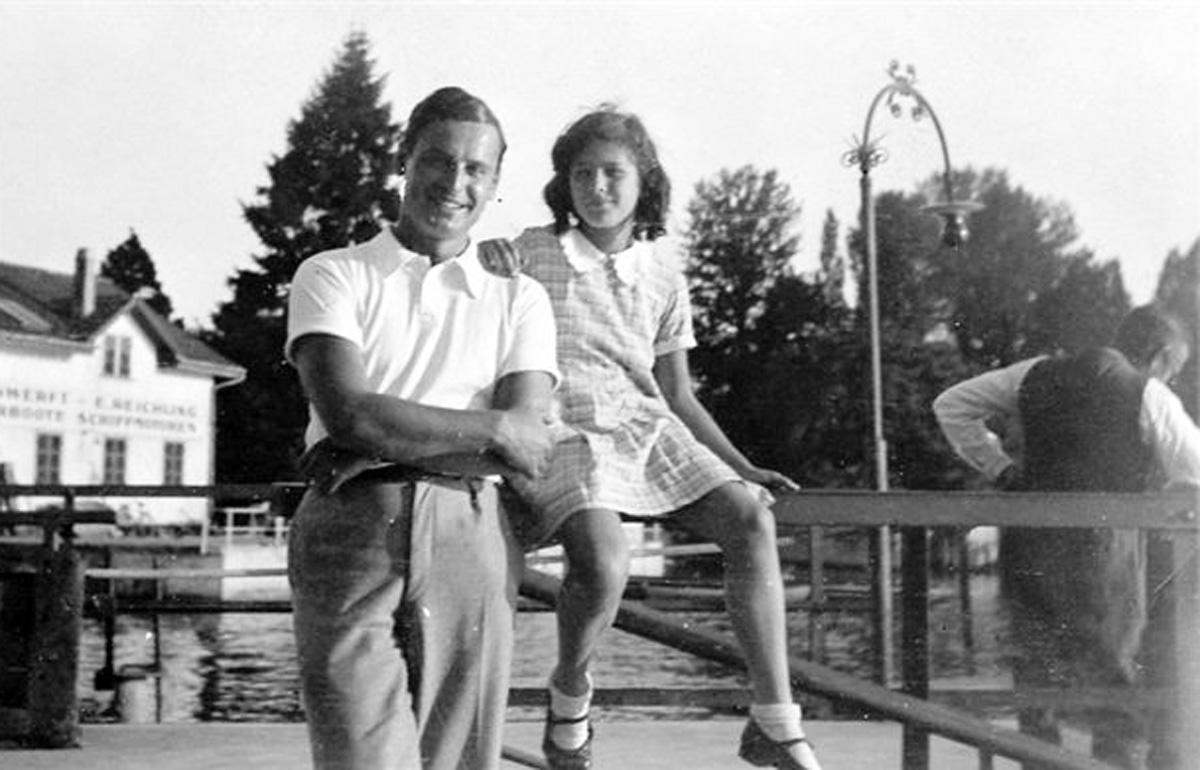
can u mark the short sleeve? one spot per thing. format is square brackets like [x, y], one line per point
[535, 341]
[322, 301]
[675, 331]
[1175, 438]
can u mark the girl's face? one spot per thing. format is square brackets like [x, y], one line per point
[605, 185]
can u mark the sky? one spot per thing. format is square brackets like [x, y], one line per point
[161, 117]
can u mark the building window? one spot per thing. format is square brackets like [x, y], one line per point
[117, 351]
[173, 463]
[114, 461]
[48, 467]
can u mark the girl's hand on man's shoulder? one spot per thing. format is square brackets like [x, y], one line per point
[500, 257]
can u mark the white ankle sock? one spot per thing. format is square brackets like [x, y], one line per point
[570, 735]
[780, 721]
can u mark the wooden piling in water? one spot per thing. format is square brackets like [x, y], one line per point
[44, 713]
[54, 660]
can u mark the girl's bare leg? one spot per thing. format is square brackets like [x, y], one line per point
[597, 568]
[732, 518]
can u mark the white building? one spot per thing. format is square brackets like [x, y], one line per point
[97, 388]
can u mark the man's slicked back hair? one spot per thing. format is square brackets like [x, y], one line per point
[446, 103]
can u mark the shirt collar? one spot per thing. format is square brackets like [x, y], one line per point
[466, 264]
[471, 268]
[584, 257]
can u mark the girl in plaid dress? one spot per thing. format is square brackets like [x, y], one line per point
[643, 444]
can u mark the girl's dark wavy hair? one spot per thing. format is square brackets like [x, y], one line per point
[610, 125]
[446, 103]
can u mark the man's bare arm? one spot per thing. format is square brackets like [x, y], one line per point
[373, 425]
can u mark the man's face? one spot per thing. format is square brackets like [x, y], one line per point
[450, 176]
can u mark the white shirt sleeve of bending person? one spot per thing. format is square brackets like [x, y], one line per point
[1175, 438]
[963, 411]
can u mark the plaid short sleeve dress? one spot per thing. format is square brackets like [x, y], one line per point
[630, 453]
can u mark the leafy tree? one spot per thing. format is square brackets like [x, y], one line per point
[1016, 288]
[129, 266]
[739, 249]
[783, 363]
[807, 394]
[740, 246]
[1179, 291]
[918, 357]
[772, 354]
[1081, 308]
[330, 189]
[1017, 251]
[1020, 286]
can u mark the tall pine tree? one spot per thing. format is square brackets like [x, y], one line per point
[330, 189]
[129, 266]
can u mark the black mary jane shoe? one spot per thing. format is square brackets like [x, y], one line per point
[758, 749]
[559, 758]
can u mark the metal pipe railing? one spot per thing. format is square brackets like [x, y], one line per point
[1173, 513]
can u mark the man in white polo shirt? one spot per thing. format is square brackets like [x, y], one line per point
[403, 570]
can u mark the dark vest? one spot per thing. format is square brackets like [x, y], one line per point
[1080, 419]
[1078, 595]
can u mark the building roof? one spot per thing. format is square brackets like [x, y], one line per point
[40, 306]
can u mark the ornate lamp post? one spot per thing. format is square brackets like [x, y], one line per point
[867, 154]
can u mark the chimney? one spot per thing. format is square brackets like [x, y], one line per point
[85, 284]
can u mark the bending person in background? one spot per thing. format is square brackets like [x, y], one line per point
[644, 446]
[1103, 419]
[403, 572]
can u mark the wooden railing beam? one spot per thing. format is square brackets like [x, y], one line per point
[1164, 511]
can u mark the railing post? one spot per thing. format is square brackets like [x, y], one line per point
[880, 560]
[1187, 648]
[914, 622]
[1173, 647]
[816, 596]
[156, 629]
[964, 598]
[106, 606]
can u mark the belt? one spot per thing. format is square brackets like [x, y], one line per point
[397, 473]
[407, 474]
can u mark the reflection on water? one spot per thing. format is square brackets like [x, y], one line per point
[242, 667]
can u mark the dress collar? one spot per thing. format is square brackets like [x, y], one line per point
[584, 257]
